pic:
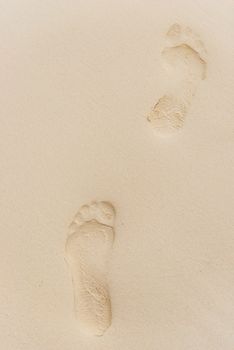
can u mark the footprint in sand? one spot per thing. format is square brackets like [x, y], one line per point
[185, 61]
[87, 251]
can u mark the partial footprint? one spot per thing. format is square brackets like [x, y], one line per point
[87, 251]
[185, 61]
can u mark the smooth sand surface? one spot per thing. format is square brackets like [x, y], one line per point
[78, 79]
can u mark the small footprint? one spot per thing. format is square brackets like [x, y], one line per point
[87, 251]
[185, 61]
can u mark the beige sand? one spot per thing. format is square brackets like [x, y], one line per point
[78, 79]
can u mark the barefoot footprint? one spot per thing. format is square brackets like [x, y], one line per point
[185, 61]
[87, 250]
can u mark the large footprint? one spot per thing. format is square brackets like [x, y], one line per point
[185, 61]
[87, 250]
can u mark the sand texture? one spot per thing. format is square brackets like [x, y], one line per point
[126, 105]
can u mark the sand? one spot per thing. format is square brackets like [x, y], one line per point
[78, 80]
